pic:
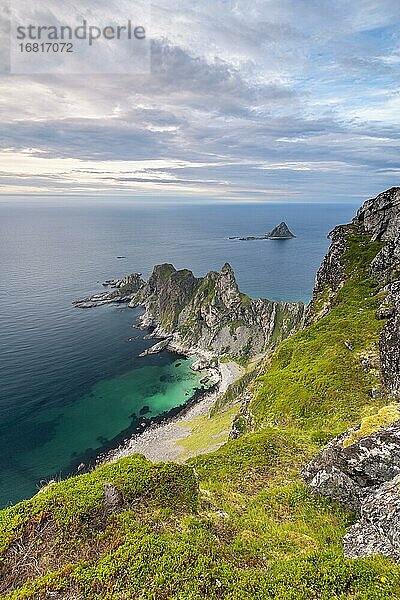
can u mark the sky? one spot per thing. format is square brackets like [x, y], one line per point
[246, 101]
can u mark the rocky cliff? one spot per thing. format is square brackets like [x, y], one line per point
[361, 468]
[207, 314]
[379, 219]
[211, 314]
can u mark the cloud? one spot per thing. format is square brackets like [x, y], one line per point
[245, 100]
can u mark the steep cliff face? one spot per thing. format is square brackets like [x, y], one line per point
[379, 219]
[330, 276]
[380, 216]
[361, 468]
[211, 314]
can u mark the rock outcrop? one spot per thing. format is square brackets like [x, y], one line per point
[123, 291]
[351, 474]
[380, 218]
[364, 475]
[212, 315]
[208, 314]
[330, 275]
[281, 232]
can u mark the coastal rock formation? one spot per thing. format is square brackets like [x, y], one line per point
[362, 471]
[122, 528]
[380, 216]
[281, 232]
[380, 219]
[249, 238]
[207, 314]
[156, 349]
[212, 315]
[330, 276]
[123, 291]
[331, 273]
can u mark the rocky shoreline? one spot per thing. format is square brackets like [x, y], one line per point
[142, 424]
[123, 291]
[159, 442]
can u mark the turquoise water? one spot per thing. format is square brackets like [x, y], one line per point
[71, 382]
[100, 415]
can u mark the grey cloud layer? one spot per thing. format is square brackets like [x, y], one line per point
[259, 98]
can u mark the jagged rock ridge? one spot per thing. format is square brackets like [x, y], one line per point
[380, 218]
[211, 314]
[207, 313]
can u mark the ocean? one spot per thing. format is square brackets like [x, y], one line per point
[71, 382]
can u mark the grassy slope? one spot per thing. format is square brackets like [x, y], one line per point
[250, 529]
[315, 380]
[206, 435]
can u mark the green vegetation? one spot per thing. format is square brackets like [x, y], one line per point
[70, 523]
[252, 530]
[372, 423]
[234, 393]
[245, 299]
[278, 325]
[315, 380]
[207, 288]
[166, 271]
[238, 523]
[206, 434]
[234, 325]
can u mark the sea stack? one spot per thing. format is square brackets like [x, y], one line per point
[281, 232]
